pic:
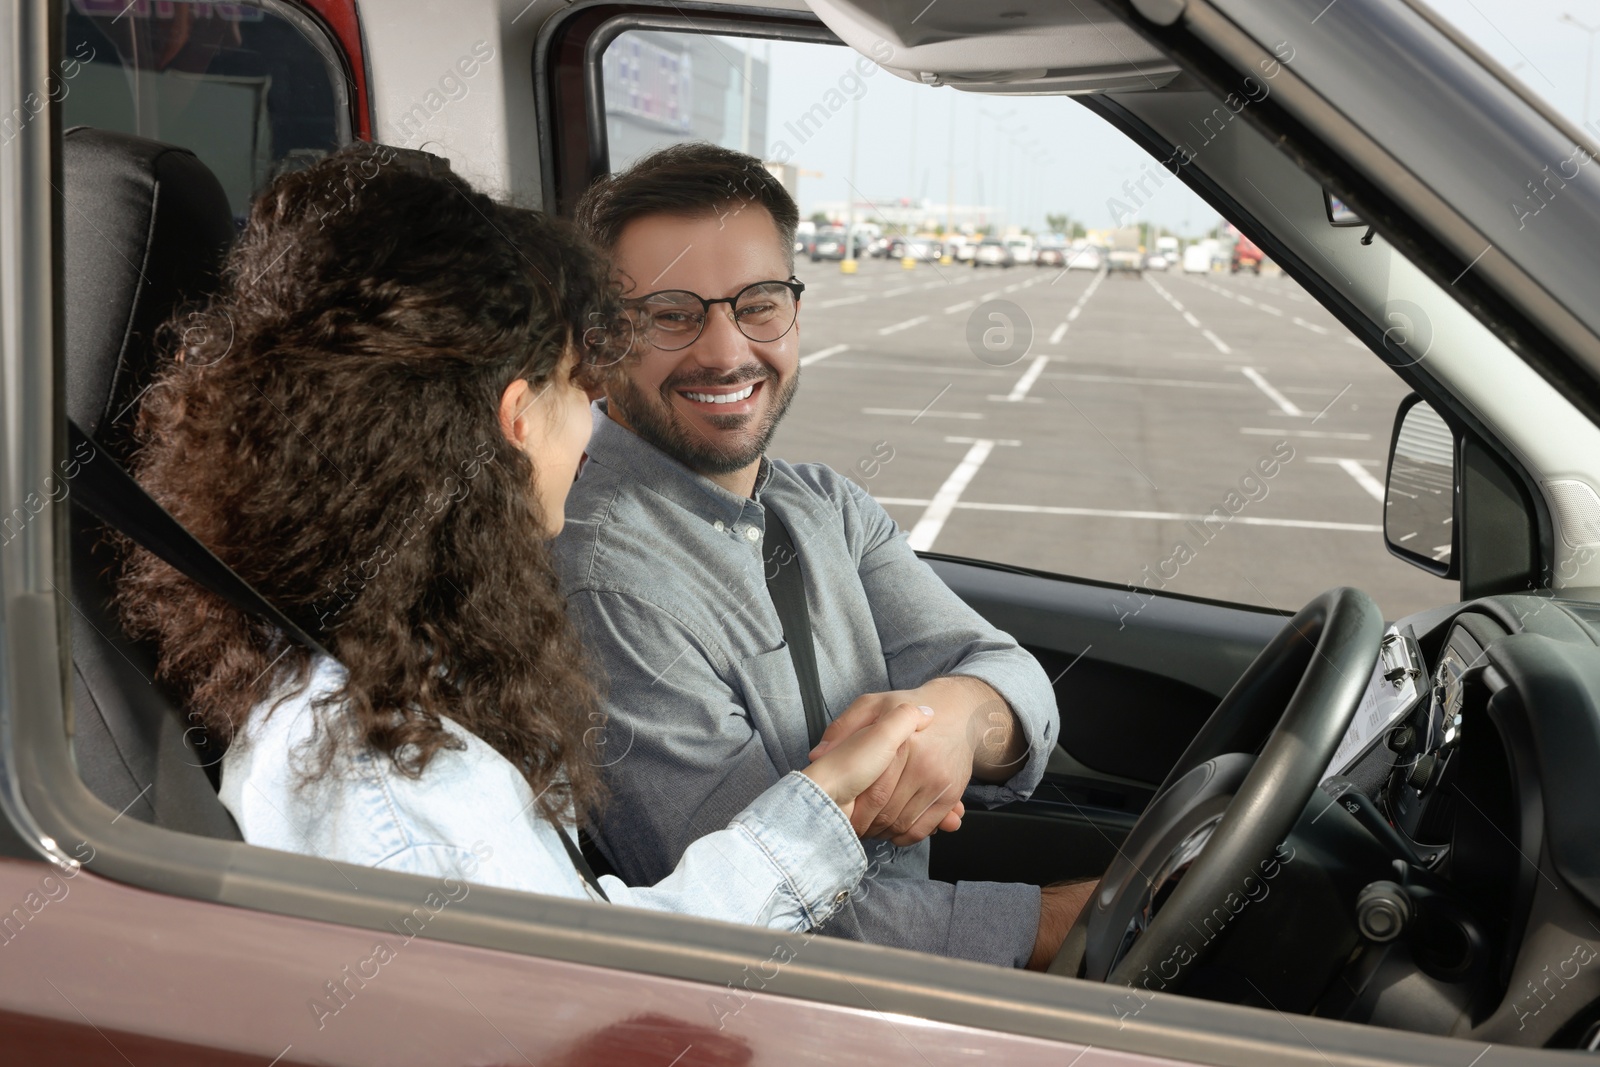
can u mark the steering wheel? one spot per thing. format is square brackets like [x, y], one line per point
[1222, 812]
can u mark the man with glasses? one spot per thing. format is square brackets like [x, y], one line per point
[680, 536]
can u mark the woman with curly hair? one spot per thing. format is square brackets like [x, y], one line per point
[375, 423]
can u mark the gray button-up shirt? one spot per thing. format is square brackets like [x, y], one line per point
[663, 571]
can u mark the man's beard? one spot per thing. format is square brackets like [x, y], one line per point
[657, 422]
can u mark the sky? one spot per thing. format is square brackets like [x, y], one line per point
[1029, 156]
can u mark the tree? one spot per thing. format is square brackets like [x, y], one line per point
[819, 217]
[1057, 223]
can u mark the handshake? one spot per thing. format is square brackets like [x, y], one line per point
[897, 763]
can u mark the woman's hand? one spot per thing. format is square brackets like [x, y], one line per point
[847, 768]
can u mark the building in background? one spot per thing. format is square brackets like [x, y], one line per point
[665, 88]
[902, 216]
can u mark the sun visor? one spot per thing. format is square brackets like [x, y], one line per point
[1009, 47]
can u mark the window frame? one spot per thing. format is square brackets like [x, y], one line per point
[44, 803]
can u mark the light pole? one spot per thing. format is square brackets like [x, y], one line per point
[950, 178]
[999, 185]
[847, 265]
[1588, 70]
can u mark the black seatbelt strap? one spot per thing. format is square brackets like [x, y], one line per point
[787, 586]
[110, 494]
[575, 854]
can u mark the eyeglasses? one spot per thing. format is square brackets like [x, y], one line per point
[674, 318]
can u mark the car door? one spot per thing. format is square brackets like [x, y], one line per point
[126, 927]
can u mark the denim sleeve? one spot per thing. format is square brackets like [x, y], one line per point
[788, 861]
[928, 632]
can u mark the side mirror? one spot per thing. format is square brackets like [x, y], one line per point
[1419, 505]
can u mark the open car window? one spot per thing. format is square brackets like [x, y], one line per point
[1048, 352]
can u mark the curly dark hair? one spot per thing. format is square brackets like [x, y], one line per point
[330, 429]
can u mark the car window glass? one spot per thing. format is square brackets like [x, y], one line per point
[1049, 353]
[250, 88]
[1548, 45]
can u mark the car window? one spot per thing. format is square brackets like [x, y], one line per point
[250, 88]
[1159, 406]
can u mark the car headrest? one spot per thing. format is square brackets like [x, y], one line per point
[146, 226]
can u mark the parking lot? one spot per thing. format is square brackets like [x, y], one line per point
[1128, 439]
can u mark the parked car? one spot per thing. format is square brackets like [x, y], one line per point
[992, 252]
[1085, 257]
[1022, 248]
[1358, 840]
[1050, 257]
[831, 244]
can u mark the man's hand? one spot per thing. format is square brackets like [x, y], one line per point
[853, 765]
[973, 733]
[1059, 906]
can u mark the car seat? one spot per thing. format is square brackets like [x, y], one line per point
[146, 228]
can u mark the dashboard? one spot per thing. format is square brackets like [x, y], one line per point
[1474, 756]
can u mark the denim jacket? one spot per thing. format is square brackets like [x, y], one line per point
[787, 861]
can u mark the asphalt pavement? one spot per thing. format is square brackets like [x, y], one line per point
[1212, 434]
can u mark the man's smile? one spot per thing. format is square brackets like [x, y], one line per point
[735, 399]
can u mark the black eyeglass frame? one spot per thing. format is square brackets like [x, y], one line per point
[794, 285]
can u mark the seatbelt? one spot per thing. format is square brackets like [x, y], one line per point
[575, 854]
[787, 586]
[110, 494]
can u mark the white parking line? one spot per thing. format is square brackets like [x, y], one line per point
[989, 296]
[843, 300]
[1189, 317]
[1024, 383]
[1284, 403]
[898, 291]
[908, 413]
[1108, 513]
[1363, 477]
[819, 356]
[906, 325]
[1061, 331]
[1280, 432]
[1268, 308]
[936, 285]
[964, 305]
[927, 529]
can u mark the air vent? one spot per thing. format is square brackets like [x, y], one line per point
[1577, 511]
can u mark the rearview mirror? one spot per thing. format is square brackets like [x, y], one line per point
[1419, 505]
[1339, 214]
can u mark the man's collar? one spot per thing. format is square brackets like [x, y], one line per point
[615, 446]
